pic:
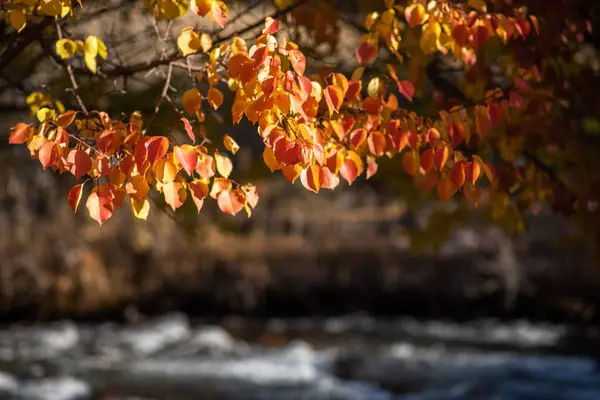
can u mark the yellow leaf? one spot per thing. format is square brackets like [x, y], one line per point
[206, 42]
[140, 208]
[224, 165]
[18, 20]
[215, 97]
[191, 101]
[66, 48]
[44, 114]
[230, 144]
[90, 62]
[91, 45]
[188, 41]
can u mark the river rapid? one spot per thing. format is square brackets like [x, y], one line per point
[350, 358]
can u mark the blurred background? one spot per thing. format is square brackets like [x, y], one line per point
[374, 291]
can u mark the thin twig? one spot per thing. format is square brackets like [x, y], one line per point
[163, 95]
[72, 76]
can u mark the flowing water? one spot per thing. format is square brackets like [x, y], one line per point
[353, 357]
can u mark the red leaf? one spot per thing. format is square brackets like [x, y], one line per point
[328, 179]
[406, 88]
[515, 100]
[365, 52]
[75, 196]
[218, 12]
[271, 26]
[48, 154]
[188, 129]
[157, 148]
[81, 163]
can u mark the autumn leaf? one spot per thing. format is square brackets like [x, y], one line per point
[271, 26]
[219, 12]
[187, 157]
[298, 61]
[188, 129]
[191, 102]
[80, 163]
[74, 196]
[415, 15]
[199, 191]
[100, 205]
[140, 208]
[215, 97]
[230, 144]
[310, 178]
[20, 133]
[231, 201]
[365, 52]
[188, 41]
[334, 97]
[17, 20]
[406, 88]
[175, 194]
[66, 48]
[156, 148]
[224, 165]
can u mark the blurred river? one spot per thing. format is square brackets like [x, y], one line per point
[352, 357]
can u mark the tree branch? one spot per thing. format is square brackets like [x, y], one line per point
[69, 69]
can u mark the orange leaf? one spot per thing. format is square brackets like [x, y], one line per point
[224, 165]
[175, 194]
[201, 7]
[352, 167]
[199, 191]
[472, 171]
[298, 61]
[456, 133]
[334, 96]
[20, 133]
[427, 159]
[230, 144]
[219, 12]
[406, 88]
[440, 158]
[81, 163]
[74, 196]
[156, 147]
[358, 137]
[371, 167]
[165, 170]
[188, 129]
[310, 178]
[291, 172]
[410, 162]
[187, 157]
[206, 166]
[65, 119]
[472, 193]
[377, 143]
[445, 189]
[231, 201]
[427, 181]
[137, 187]
[328, 179]
[215, 97]
[415, 15]
[191, 101]
[219, 185]
[457, 175]
[48, 154]
[100, 205]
